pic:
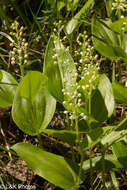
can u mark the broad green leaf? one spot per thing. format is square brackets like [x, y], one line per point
[103, 99]
[98, 107]
[32, 84]
[110, 162]
[64, 135]
[92, 137]
[106, 91]
[120, 93]
[33, 116]
[120, 25]
[67, 68]
[120, 151]
[118, 133]
[72, 24]
[106, 41]
[58, 69]
[52, 167]
[95, 136]
[51, 69]
[8, 87]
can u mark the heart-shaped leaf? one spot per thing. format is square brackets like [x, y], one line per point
[33, 106]
[8, 87]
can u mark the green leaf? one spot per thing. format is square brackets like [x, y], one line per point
[120, 25]
[107, 42]
[116, 134]
[106, 91]
[33, 116]
[110, 162]
[8, 87]
[120, 93]
[64, 135]
[52, 71]
[120, 151]
[109, 7]
[95, 136]
[103, 100]
[67, 69]
[52, 167]
[57, 70]
[72, 24]
[32, 84]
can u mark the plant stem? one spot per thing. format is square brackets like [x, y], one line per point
[77, 130]
[113, 72]
[22, 70]
[80, 169]
[91, 169]
[90, 149]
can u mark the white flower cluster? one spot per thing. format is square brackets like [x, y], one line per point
[89, 64]
[87, 73]
[18, 54]
[119, 5]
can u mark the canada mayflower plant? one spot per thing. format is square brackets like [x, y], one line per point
[85, 55]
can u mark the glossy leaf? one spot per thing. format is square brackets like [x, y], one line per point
[109, 7]
[94, 136]
[64, 135]
[120, 93]
[119, 26]
[106, 91]
[106, 41]
[52, 167]
[72, 24]
[32, 84]
[103, 100]
[120, 151]
[110, 162]
[8, 87]
[52, 71]
[66, 64]
[32, 112]
[116, 134]
[57, 70]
